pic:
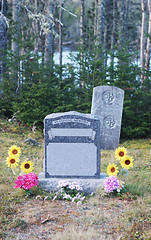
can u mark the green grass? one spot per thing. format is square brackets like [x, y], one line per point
[100, 217]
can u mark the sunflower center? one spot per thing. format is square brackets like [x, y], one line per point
[12, 161]
[121, 154]
[27, 165]
[127, 162]
[14, 151]
[113, 169]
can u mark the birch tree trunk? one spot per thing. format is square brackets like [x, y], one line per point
[49, 37]
[142, 40]
[82, 37]
[148, 39]
[15, 44]
[60, 37]
[3, 38]
[60, 34]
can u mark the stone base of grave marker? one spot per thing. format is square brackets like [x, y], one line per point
[107, 103]
[88, 185]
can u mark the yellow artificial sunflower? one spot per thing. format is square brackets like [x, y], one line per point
[112, 169]
[120, 153]
[27, 166]
[12, 161]
[14, 151]
[127, 162]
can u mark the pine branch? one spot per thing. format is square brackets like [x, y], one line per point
[67, 11]
[4, 19]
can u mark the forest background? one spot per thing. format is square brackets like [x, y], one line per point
[112, 40]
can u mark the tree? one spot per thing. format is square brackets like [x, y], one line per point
[60, 33]
[49, 35]
[15, 41]
[36, 28]
[82, 23]
[107, 28]
[16, 19]
[96, 19]
[114, 34]
[142, 40]
[82, 37]
[123, 23]
[148, 39]
[102, 20]
[3, 37]
[114, 31]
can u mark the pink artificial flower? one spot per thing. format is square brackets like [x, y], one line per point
[19, 182]
[111, 183]
[82, 199]
[31, 179]
[26, 181]
[79, 203]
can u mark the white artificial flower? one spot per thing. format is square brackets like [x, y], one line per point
[67, 196]
[63, 183]
[118, 190]
[54, 198]
[71, 186]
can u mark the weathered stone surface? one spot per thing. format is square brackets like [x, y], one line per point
[72, 145]
[88, 185]
[107, 103]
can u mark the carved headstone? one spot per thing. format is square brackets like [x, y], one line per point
[72, 145]
[107, 103]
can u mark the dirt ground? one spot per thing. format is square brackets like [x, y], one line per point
[97, 218]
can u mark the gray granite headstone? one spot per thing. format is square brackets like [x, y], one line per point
[107, 103]
[72, 145]
[72, 150]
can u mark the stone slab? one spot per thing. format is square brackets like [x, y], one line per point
[88, 185]
[107, 103]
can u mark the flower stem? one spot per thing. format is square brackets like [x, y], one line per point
[13, 172]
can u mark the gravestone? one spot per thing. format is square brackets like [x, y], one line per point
[72, 145]
[107, 103]
[72, 150]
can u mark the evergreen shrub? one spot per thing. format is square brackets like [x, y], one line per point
[43, 90]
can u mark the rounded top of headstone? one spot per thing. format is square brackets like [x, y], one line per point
[107, 87]
[73, 113]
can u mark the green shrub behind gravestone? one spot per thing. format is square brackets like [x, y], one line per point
[42, 91]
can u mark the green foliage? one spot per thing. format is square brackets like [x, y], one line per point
[137, 115]
[34, 90]
[41, 95]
